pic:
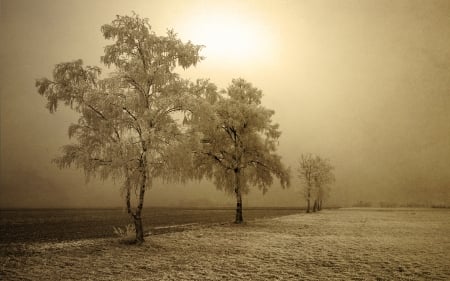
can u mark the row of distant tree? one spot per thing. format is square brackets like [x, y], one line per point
[143, 121]
[384, 204]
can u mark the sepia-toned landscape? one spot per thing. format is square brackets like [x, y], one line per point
[224, 140]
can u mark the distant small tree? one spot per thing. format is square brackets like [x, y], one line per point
[315, 173]
[307, 167]
[322, 179]
[237, 141]
[126, 127]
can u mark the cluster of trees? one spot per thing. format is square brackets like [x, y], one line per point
[144, 121]
[316, 174]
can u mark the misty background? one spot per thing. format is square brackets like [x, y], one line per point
[365, 84]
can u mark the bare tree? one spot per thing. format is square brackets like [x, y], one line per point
[126, 129]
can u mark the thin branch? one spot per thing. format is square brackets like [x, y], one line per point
[219, 160]
[135, 84]
[129, 113]
[101, 161]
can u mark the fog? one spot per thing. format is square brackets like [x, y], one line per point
[365, 84]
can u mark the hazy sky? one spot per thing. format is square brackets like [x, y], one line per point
[363, 83]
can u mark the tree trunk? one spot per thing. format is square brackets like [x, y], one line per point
[139, 229]
[315, 205]
[239, 217]
[320, 205]
[137, 215]
[308, 200]
[137, 218]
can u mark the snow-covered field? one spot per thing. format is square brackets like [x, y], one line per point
[344, 244]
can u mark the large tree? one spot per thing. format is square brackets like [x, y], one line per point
[238, 141]
[127, 124]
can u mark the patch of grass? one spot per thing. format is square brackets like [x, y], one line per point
[350, 244]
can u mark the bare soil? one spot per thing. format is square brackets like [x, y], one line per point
[345, 244]
[58, 225]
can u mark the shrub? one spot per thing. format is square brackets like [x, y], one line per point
[126, 234]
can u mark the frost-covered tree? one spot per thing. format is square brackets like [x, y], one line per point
[322, 179]
[315, 173]
[238, 141]
[127, 124]
[307, 167]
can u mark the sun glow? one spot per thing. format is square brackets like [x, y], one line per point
[229, 37]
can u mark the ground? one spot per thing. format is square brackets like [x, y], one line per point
[345, 244]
